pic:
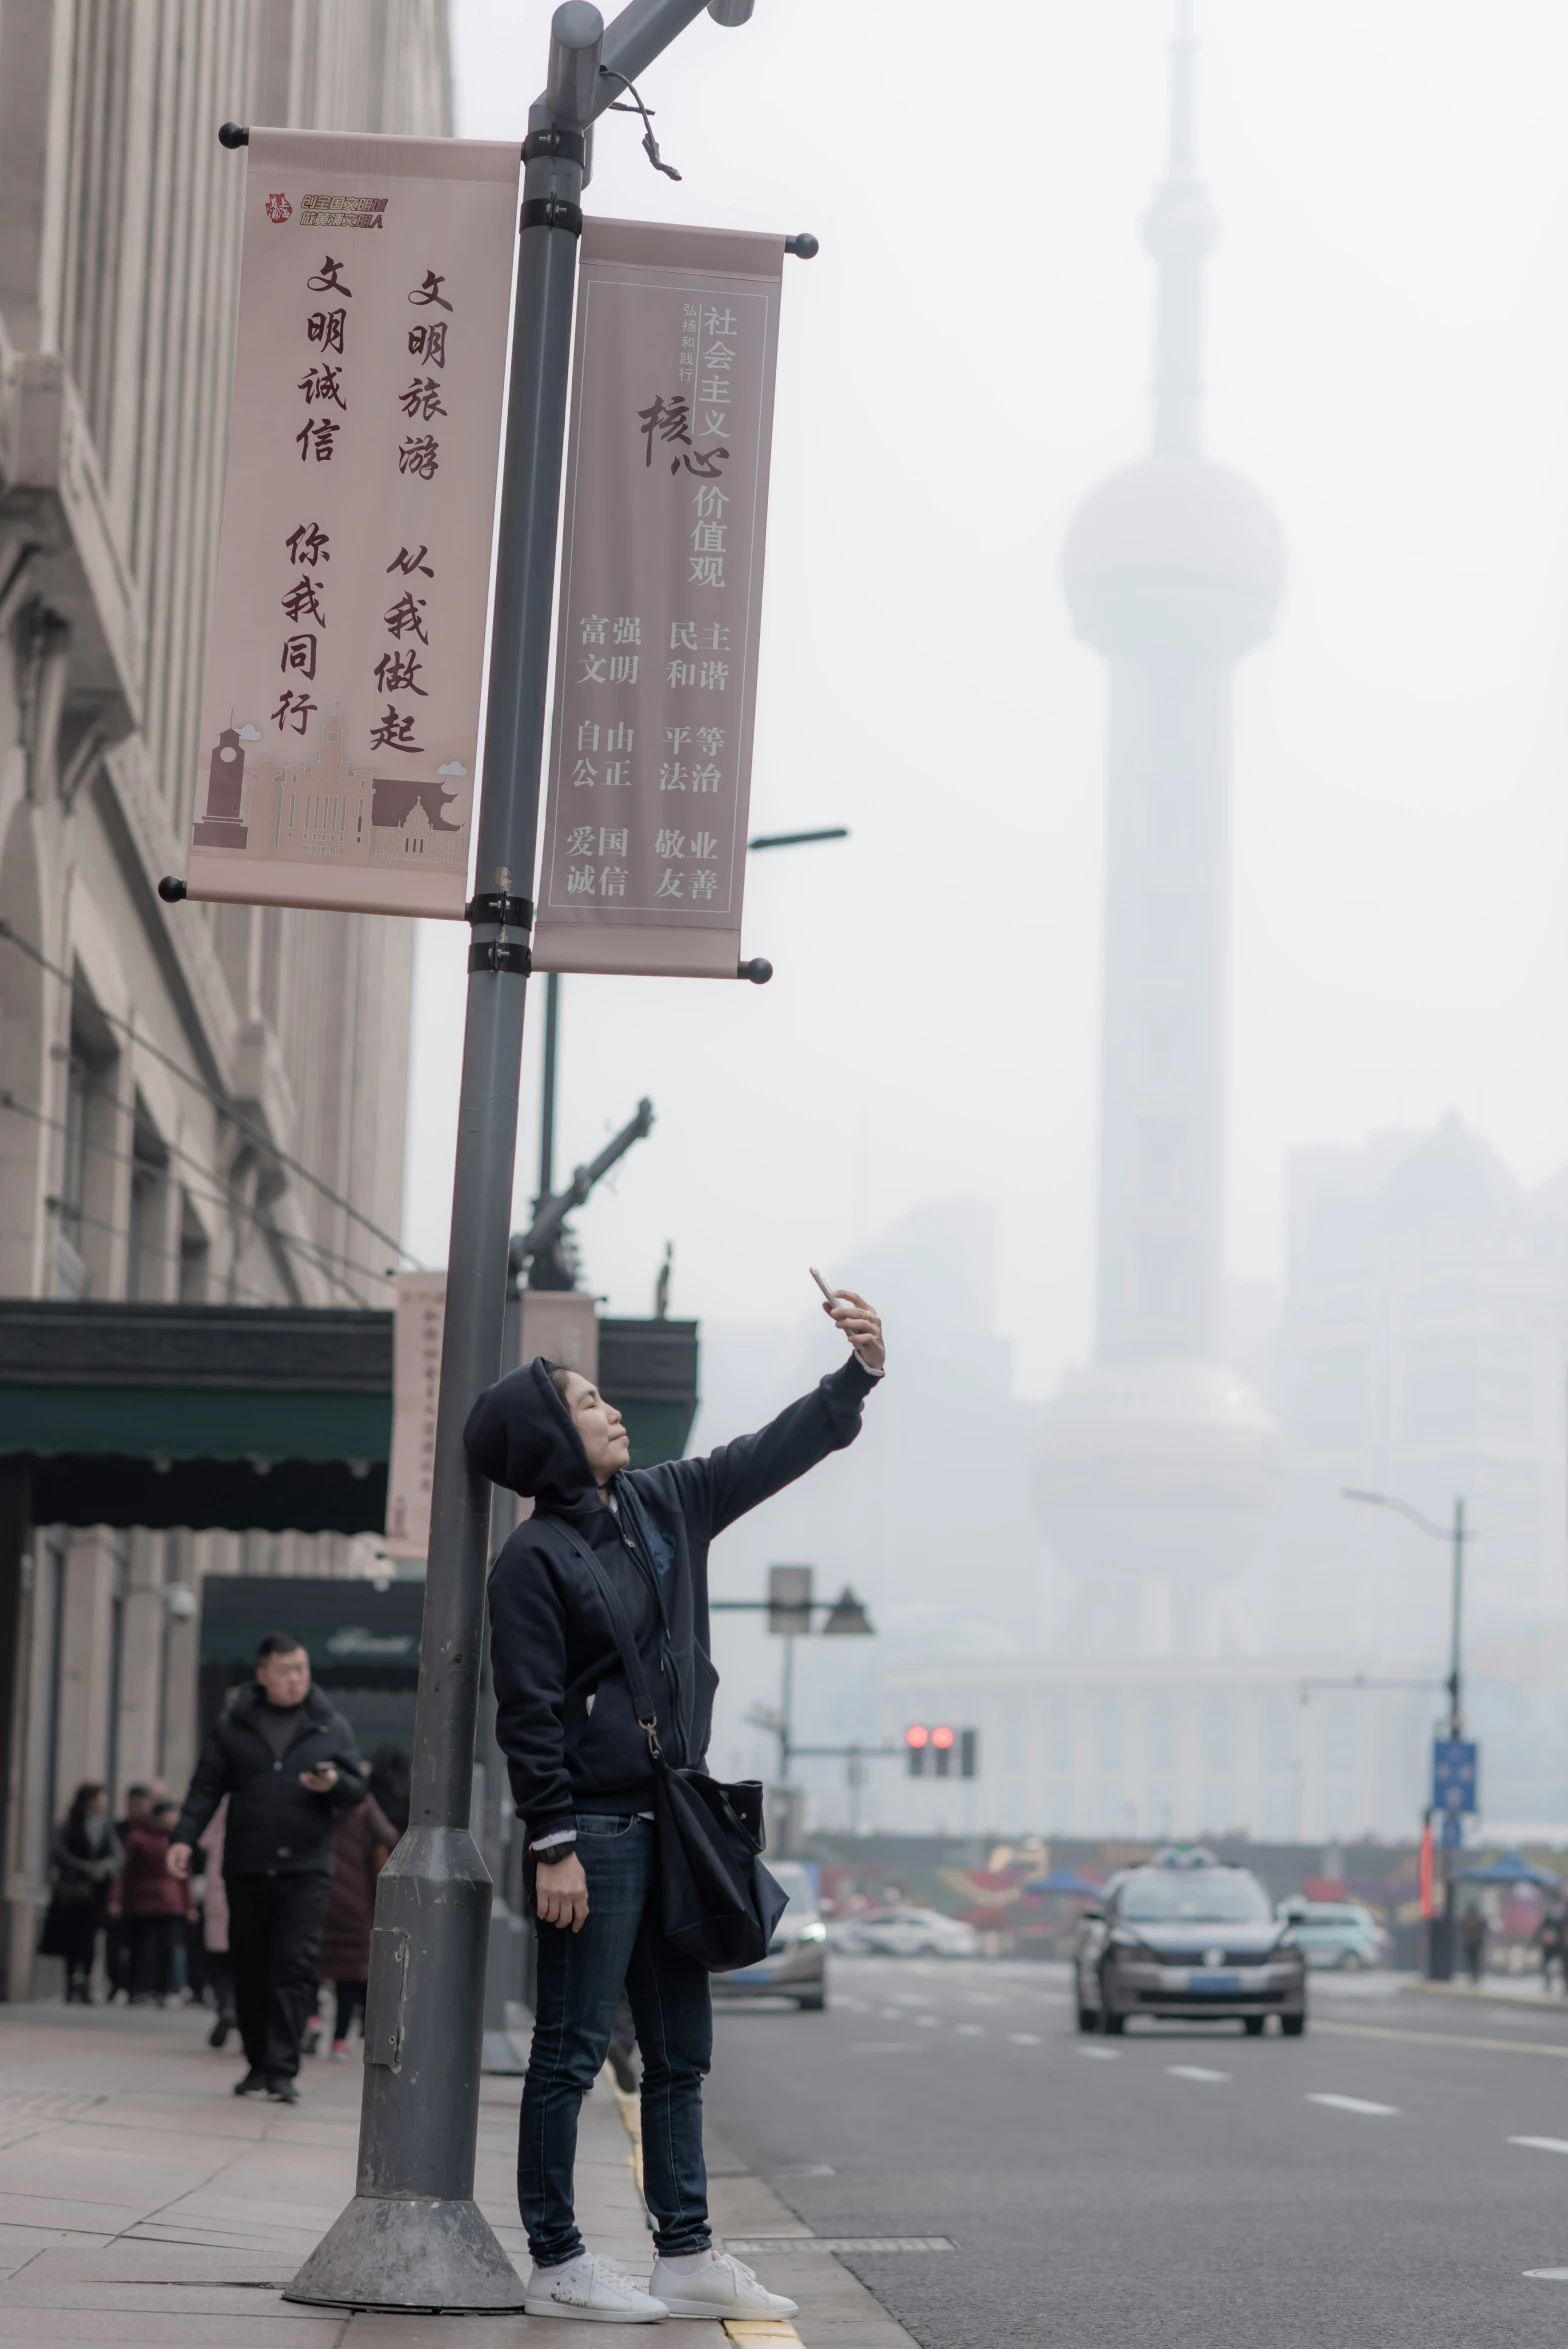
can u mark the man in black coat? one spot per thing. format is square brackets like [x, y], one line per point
[286, 1759]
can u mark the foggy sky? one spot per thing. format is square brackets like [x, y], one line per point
[969, 355]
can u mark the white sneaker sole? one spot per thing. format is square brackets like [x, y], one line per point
[596, 2316]
[780, 2312]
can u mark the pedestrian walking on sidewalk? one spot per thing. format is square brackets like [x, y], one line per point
[152, 1907]
[215, 1927]
[84, 1859]
[117, 1949]
[287, 1762]
[1472, 1940]
[361, 1843]
[582, 1778]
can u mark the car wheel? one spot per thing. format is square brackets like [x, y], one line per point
[1088, 2019]
[1253, 2025]
[1293, 2025]
[814, 2005]
[1352, 1962]
[1111, 2023]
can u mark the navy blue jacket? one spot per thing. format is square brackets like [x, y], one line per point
[564, 1715]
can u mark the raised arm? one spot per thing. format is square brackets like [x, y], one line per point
[716, 1490]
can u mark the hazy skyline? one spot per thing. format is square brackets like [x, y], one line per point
[969, 355]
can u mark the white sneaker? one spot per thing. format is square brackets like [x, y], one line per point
[592, 2289]
[725, 2287]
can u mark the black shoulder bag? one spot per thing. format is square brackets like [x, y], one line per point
[720, 1905]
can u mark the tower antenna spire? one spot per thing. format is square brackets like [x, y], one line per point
[1179, 231]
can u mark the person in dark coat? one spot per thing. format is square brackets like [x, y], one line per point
[361, 1843]
[582, 1778]
[152, 1906]
[84, 1859]
[286, 1759]
[389, 1783]
[117, 1949]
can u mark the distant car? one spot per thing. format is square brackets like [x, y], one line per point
[906, 1932]
[1337, 1934]
[1185, 1937]
[796, 1965]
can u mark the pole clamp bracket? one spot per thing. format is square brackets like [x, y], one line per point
[494, 905]
[553, 212]
[555, 139]
[501, 954]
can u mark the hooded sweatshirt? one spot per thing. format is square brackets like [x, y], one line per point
[564, 1715]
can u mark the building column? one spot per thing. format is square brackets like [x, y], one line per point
[93, 1571]
[16, 1580]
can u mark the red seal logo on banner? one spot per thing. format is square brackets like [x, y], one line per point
[279, 208]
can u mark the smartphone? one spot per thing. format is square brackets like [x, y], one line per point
[823, 1286]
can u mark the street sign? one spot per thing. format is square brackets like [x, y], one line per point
[1455, 1761]
[1452, 1830]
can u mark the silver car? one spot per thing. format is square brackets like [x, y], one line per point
[796, 1965]
[1186, 1938]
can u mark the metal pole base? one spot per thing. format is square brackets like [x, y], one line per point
[421, 2256]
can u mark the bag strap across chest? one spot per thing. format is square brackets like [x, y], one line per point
[625, 1641]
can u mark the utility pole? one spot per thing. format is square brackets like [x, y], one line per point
[1440, 1944]
[414, 2238]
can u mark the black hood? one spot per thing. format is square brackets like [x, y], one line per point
[520, 1435]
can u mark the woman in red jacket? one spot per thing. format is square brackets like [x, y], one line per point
[152, 1904]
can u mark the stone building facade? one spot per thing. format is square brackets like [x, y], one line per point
[127, 1026]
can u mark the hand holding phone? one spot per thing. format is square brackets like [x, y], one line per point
[859, 1322]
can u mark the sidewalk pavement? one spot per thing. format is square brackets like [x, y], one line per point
[141, 2201]
[1497, 1990]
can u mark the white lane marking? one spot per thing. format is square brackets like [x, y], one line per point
[1549, 2275]
[808, 2169]
[970, 2030]
[888, 2046]
[1104, 2055]
[1197, 2072]
[1026, 2038]
[892, 2014]
[851, 2006]
[928, 2022]
[1543, 2144]
[982, 1998]
[1352, 2104]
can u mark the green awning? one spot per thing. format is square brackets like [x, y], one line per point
[273, 1417]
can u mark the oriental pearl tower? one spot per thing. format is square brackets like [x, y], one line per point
[1160, 1465]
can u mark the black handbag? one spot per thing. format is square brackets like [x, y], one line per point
[720, 1906]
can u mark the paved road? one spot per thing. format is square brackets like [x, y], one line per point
[1362, 2186]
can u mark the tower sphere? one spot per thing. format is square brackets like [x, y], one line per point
[1174, 552]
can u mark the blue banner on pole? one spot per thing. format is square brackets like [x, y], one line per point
[1455, 1765]
[1451, 1830]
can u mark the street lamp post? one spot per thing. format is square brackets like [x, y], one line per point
[413, 2238]
[1440, 1946]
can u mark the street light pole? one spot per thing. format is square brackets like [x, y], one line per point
[413, 2238]
[1440, 1947]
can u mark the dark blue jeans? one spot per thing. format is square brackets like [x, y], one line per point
[580, 1981]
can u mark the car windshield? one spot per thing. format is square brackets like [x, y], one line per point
[1193, 1896]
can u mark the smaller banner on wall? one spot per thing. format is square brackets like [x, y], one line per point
[558, 1323]
[340, 728]
[644, 855]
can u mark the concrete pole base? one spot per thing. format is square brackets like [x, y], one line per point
[422, 2257]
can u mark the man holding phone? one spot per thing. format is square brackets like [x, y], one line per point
[286, 1759]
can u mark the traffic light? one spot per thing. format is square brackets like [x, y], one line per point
[940, 1747]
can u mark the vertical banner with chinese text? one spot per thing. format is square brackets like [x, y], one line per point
[340, 727]
[644, 854]
[560, 1323]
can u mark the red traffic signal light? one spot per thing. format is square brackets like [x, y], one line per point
[942, 1746]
